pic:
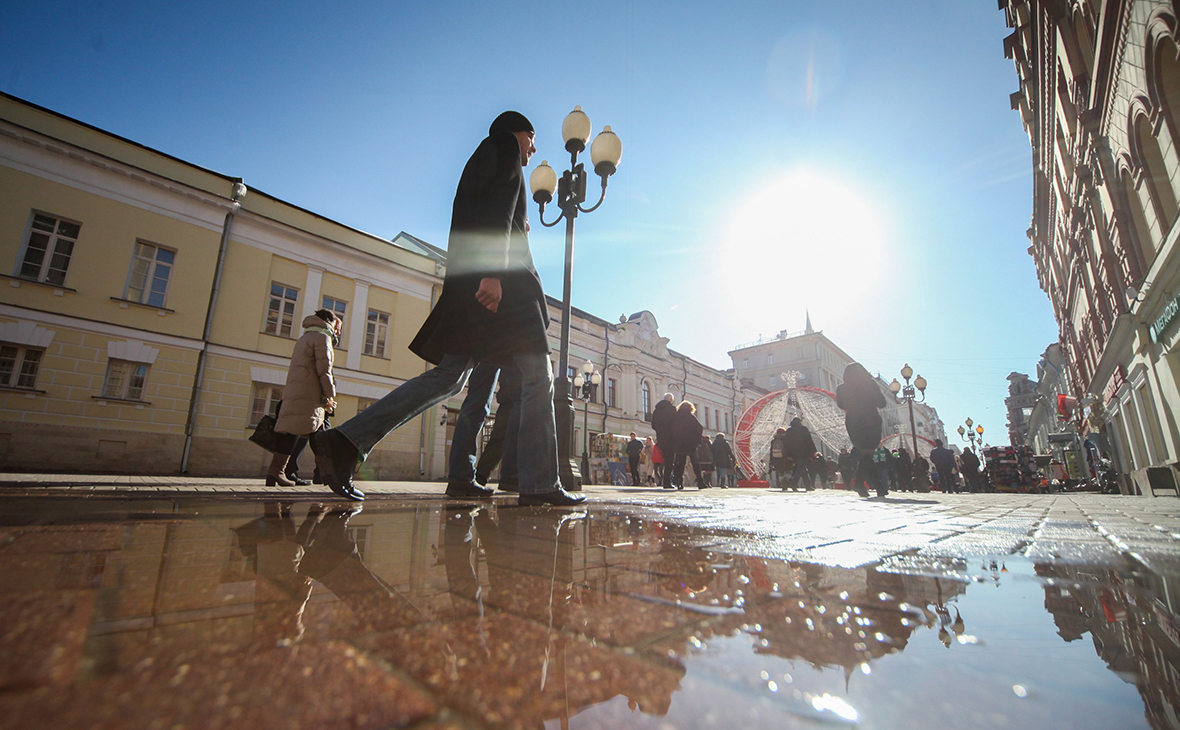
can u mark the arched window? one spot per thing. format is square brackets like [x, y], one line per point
[647, 399]
[1155, 175]
[1140, 247]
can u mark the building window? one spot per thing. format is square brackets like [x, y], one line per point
[647, 400]
[266, 400]
[746, 363]
[707, 417]
[18, 366]
[773, 381]
[147, 282]
[48, 249]
[125, 380]
[280, 315]
[338, 308]
[727, 423]
[363, 403]
[376, 333]
[611, 386]
[770, 359]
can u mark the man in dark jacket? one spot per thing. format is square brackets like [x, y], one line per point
[944, 461]
[800, 448]
[634, 451]
[970, 469]
[661, 423]
[492, 310]
[723, 460]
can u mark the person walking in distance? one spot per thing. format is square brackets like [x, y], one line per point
[799, 447]
[861, 400]
[310, 392]
[686, 435]
[662, 417]
[723, 460]
[944, 461]
[492, 309]
[658, 463]
[704, 463]
[634, 451]
[970, 469]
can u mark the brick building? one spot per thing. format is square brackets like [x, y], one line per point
[1099, 97]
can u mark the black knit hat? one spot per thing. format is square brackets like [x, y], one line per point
[510, 122]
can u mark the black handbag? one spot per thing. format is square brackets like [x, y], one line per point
[264, 435]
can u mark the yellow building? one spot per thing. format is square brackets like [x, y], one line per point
[150, 307]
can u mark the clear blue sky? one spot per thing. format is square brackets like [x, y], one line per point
[749, 130]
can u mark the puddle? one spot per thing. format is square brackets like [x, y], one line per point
[206, 613]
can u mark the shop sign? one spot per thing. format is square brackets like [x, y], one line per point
[1167, 318]
[1117, 378]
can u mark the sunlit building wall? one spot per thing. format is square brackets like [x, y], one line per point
[110, 252]
[1099, 97]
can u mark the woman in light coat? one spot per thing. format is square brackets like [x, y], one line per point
[310, 391]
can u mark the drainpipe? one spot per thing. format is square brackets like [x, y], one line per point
[605, 363]
[434, 294]
[239, 192]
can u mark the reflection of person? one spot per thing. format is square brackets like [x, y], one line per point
[271, 546]
[492, 309]
[861, 400]
[310, 391]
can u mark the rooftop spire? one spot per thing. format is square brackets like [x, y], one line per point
[808, 329]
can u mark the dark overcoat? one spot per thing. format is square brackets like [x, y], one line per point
[489, 238]
[861, 399]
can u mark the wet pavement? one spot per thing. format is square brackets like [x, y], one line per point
[169, 604]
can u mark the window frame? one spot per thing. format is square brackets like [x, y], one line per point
[126, 387]
[271, 298]
[270, 400]
[20, 361]
[51, 248]
[150, 275]
[612, 390]
[371, 330]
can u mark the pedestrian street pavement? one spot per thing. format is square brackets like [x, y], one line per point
[138, 601]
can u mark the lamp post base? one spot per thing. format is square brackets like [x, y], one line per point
[567, 466]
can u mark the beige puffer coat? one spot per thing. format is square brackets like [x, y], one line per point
[309, 380]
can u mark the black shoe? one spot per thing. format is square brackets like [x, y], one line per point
[557, 498]
[299, 482]
[335, 457]
[470, 490]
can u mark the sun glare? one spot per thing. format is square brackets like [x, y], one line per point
[804, 241]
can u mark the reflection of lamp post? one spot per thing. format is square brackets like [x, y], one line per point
[585, 386]
[907, 392]
[605, 154]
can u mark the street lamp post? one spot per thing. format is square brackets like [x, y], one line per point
[605, 154]
[969, 434]
[585, 386]
[907, 393]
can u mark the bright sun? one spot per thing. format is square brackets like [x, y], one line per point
[804, 241]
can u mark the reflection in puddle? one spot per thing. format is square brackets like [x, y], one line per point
[214, 614]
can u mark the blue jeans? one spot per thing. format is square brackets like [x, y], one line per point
[472, 414]
[366, 429]
[536, 440]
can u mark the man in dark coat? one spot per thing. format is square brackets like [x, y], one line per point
[661, 423]
[944, 461]
[492, 310]
[723, 460]
[800, 448]
[970, 469]
[634, 451]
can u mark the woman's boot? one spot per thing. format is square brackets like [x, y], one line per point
[274, 475]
